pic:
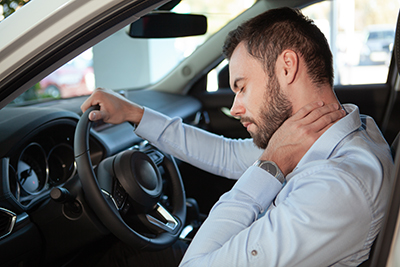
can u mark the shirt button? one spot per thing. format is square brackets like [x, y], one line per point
[254, 252]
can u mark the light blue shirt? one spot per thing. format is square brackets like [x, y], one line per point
[328, 213]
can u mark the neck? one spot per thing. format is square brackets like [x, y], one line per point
[310, 93]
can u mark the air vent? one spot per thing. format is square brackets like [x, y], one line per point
[7, 222]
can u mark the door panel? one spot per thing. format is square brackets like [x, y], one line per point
[371, 99]
[217, 105]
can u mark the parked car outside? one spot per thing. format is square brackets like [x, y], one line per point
[75, 78]
[378, 45]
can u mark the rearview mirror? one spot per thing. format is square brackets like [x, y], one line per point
[168, 25]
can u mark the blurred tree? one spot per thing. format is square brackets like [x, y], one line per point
[9, 6]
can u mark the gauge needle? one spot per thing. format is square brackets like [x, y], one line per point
[25, 174]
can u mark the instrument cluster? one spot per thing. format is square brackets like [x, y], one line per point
[43, 161]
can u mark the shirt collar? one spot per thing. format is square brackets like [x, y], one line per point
[328, 141]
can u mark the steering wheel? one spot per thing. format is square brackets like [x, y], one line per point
[128, 193]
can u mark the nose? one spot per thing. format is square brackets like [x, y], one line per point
[237, 108]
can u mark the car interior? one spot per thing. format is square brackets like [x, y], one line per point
[58, 198]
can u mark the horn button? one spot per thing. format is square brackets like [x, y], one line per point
[139, 176]
[146, 176]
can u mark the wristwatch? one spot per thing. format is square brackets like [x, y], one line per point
[271, 168]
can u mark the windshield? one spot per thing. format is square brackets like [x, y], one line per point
[123, 63]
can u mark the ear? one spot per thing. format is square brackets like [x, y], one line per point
[288, 65]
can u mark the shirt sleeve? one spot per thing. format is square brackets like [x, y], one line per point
[210, 152]
[312, 226]
[223, 236]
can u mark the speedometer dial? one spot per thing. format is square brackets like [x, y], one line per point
[29, 174]
[61, 164]
[32, 169]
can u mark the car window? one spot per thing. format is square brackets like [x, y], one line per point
[7, 7]
[361, 36]
[120, 62]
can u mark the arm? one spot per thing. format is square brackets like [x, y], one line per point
[228, 157]
[311, 226]
[213, 153]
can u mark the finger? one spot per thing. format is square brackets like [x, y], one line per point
[329, 119]
[94, 116]
[320, 112]
[86, 104]
[304, 111]
[325, 121]
[92, 100]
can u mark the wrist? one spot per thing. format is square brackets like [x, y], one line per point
[283, 162]
[135, 114]
[271, 168]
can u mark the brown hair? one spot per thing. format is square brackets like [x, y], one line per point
[269, 34]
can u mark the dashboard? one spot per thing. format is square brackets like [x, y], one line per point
[37, 155]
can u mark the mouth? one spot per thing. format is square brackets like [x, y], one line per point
[246, 124]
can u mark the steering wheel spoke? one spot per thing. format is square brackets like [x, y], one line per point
[162, 220]
[110, 199]
[110, 187]
[105, 175]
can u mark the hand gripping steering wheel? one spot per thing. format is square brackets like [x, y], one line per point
[128, 194]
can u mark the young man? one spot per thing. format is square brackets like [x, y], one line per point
[314, 178]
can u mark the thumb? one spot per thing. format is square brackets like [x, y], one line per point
[95, 115]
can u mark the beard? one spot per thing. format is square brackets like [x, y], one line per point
[272, 114]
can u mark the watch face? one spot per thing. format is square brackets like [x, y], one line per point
[270, 168]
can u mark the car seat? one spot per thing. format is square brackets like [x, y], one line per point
[382, 246]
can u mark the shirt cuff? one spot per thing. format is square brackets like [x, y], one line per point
[151, 125]
[260, 185]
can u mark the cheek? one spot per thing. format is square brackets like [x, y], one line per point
[258, 104]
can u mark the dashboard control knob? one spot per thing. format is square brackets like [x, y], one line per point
[61, 195]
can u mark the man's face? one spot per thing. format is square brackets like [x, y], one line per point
[259, 102]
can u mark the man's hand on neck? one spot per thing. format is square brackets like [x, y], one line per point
[298, 133]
